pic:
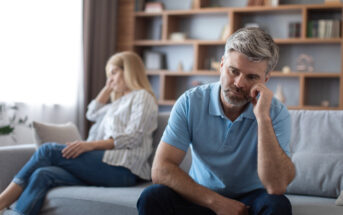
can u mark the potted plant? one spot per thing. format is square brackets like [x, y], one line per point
[8, 121]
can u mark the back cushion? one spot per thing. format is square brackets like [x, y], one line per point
[316, 131]
[317, 152]
[162, 123]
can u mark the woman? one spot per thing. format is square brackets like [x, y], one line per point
[116, 151]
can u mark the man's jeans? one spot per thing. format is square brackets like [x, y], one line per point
[47, 169]
[159, 199]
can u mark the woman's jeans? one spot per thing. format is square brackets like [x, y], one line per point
[47, 169]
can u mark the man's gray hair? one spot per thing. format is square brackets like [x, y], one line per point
[256, 44]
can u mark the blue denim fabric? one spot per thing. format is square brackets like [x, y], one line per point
[159, 199]
[47, 169]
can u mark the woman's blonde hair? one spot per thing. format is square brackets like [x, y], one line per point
[133, 72]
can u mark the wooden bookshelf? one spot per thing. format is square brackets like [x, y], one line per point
[171, 20]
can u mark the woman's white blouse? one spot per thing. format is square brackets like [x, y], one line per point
[130, 121]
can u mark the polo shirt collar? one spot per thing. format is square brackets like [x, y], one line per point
[216, 109]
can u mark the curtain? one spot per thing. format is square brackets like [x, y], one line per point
[99, 36]
[41, 62]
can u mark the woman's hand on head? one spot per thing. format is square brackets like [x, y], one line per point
[76, 148]
[109, 84]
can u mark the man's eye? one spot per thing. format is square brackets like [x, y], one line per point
[252, 77]
[233, 71]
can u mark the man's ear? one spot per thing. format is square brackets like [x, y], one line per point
[267, 77]
[221, 64]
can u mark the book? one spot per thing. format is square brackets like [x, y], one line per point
[315, 28]
[251, 3]
[153, 7]
[328, 29]
[256, 2]
[259, 2]
[294, 29]
[309, 29]
[321, 28]
[336, 29]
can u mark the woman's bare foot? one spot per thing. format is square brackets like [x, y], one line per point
[10, 195]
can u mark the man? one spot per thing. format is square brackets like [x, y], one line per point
[239, 136]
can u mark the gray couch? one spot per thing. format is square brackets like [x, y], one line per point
[317, 151]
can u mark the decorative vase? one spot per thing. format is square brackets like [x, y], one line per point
[279, 94]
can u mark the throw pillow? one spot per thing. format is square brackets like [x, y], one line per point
[59, 133]
[318, 174]
[339, 200]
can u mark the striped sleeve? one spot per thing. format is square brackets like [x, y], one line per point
[142, 120]
[95, 110]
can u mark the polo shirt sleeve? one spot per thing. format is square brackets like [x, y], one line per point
[177, 131]
[282, 129]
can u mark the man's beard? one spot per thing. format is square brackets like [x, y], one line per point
[236, 100]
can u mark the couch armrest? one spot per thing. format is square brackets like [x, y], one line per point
[12, 159]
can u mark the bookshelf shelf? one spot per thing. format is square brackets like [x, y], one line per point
[308, 41]
[221, 42]
[306, 74]
[204, 51]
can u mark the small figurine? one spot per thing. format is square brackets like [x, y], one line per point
[286, 70]
[304, 63]
[325, 103]
[215, 65]
[279, 94]
[180, 67]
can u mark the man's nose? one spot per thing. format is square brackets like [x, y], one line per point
[240, 81]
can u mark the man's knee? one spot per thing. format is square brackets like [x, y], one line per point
[152, 197]
[277, 204]
[152, 193]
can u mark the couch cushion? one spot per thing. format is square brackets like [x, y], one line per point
[317, 174]
[59, 133]
[80, 200]
[317, 152]
[316, 131]
[309, 205]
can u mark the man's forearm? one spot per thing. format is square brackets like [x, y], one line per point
[175, 178]
[275, 169]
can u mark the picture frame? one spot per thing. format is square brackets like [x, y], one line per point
[153, 60]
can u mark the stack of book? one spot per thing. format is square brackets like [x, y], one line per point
[324, 28]
[294, 29]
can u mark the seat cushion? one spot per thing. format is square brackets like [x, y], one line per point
[80, 200]
[309, 205]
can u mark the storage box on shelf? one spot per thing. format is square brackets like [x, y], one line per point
[320, 89]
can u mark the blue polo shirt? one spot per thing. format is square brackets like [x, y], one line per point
[224, 153]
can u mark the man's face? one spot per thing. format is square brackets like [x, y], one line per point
[237, 76]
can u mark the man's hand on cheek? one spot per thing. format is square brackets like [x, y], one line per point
[261, 104]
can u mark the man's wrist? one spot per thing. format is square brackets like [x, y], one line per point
[264, 118]
[213, 201]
